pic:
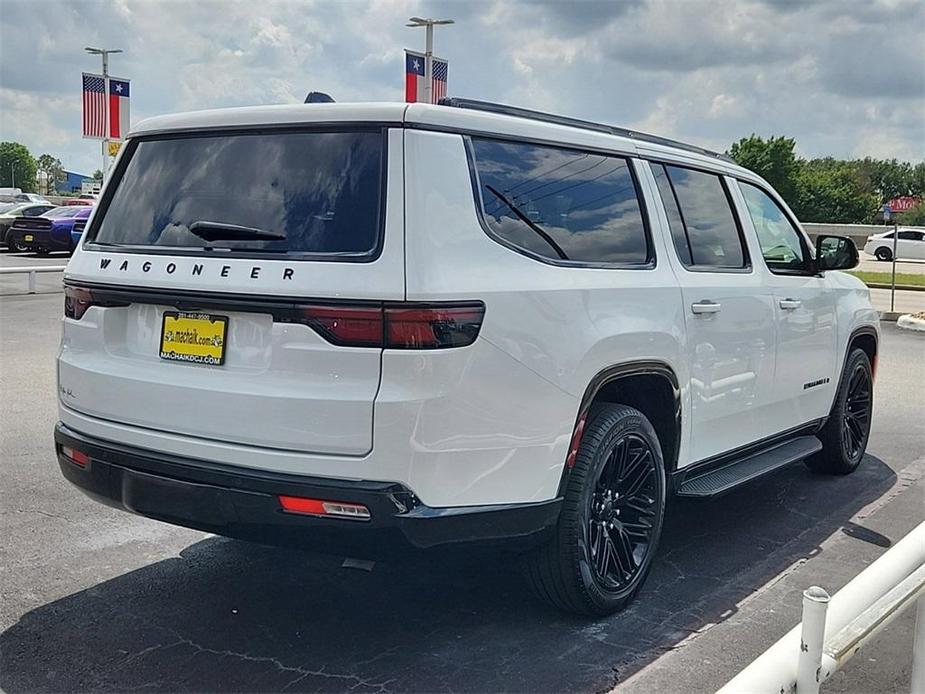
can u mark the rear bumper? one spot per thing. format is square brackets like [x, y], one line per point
[243, 503]
[40, 239]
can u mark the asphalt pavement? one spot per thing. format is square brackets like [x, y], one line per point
[96, 599]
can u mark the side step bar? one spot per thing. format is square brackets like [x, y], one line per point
[723, 479]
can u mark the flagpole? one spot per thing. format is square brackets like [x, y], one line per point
[428, 53]
[104, 52]
[106, 106]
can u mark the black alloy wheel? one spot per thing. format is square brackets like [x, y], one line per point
[858, 406]
[611, 517]
[623, 506]
[846, 432]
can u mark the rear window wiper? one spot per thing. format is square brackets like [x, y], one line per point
[219, 231]
[529, 222]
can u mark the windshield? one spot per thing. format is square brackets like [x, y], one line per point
[291, 192]
[60, 212]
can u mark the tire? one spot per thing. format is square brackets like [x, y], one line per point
[13, 246]
[619, 454]
[847, 430]
[883, 253]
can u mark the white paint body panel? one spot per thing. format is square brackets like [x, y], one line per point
[484, 424]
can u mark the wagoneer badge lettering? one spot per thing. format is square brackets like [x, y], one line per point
[224, 271]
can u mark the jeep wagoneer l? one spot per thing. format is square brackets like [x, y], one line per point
[361, 328]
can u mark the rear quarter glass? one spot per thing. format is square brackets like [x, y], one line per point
[319, 193]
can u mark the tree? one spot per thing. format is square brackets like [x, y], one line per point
[829, 190]
[914, 217]
[17, 167]
[772, 159]
[54, 171]
[98, 174]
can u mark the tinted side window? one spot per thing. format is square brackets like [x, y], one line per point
[911, 235]
[675, 221]
[711, 233]
[780, 241]
[561, 204]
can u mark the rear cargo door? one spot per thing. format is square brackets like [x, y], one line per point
[228, 287]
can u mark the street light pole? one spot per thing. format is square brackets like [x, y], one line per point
[429, 25]
[104, 53]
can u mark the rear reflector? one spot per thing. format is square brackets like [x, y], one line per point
[576, 441]
[320, 507]
[76, 457]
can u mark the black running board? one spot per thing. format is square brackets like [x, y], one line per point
[726, 478]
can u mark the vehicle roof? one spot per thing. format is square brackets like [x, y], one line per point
[430, 117]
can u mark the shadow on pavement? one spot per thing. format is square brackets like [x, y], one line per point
[228, 616]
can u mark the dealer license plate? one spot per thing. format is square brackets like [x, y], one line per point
[196, 338]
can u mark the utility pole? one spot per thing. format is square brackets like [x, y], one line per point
[429, 25]
[104, 52]
[12, 176]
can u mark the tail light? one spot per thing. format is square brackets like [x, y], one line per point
[431, 326]
[76, 301]
[345, 325]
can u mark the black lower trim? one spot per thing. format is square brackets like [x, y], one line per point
[742, 453]
[242, 503]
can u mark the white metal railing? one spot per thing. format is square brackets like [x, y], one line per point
[835, 628]
[31, 272]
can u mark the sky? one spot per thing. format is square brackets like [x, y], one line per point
[845, 78]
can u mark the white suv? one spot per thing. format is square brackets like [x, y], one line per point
[366, 327]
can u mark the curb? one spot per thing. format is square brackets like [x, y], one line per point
[899, 287]
[890, 316]
[910, 322]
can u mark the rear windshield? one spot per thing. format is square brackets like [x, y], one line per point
[310, 193]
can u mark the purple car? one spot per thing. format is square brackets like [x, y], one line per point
[56, 230]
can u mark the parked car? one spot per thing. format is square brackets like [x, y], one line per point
[9, 194]
[910, 245]
[32, 197]
[23, 209]
[52, 231]
[415, 326]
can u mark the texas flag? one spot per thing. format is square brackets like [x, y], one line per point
[118, 109]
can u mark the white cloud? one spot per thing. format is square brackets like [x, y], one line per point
[843, 77]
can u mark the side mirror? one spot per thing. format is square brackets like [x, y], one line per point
[835, 253]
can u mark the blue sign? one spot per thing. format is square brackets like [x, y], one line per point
[887, 212]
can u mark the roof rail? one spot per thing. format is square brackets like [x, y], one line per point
[490, 107]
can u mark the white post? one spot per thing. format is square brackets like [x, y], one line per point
[105, 168]
[32, 281]
[812, 639]
[918, 649]
[893, 280]
[429, 65]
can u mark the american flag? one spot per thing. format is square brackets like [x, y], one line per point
[94, 102]
[414, 77]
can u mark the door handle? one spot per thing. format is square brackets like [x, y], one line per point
[705, 306]
[790, 304]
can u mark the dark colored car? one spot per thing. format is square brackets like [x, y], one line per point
[11, 214]
[52, 231]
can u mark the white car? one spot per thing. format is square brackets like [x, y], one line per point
[910, 245]
[429, 325]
